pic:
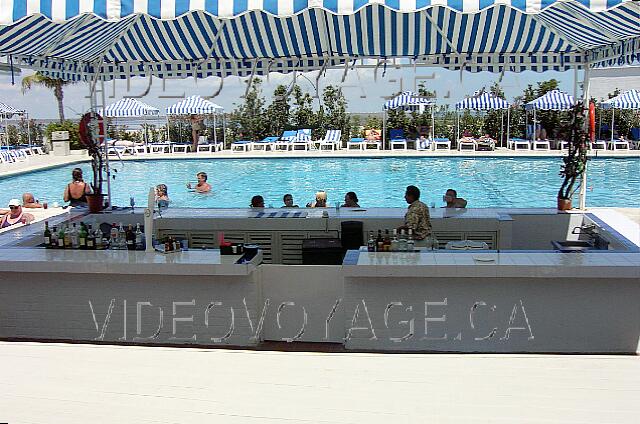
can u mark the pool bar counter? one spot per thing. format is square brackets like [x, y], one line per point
[520, 295]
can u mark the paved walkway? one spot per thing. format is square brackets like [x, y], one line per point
[57, 383]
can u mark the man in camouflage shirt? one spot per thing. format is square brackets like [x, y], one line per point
[417, 216]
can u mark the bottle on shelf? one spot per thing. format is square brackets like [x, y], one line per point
[435, 242]
[402, 241]
[371, 243]
[91, 238]
[411, 243]
[113, 237]
[379, 242]
[47, 234]
[82, 236]
[122, 237]
[67, 238]
[130, 237]
[386, 244]
[53, 241]
[394, 241]
[139, 237]
[61, 237]
[100, 241]
[74, 237]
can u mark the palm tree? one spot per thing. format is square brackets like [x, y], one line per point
[47, 82]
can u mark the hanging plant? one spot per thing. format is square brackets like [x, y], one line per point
[574, 164]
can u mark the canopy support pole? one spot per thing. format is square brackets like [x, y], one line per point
[585, 93]
[384, 129]
[224, 130]
[613, 120]
[535, 125]
[457, 126]
[508, 123]
[501, 125]
[433, 123]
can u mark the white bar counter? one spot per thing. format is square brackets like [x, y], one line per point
[190, 262]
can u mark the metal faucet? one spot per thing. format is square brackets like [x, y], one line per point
[589, 229]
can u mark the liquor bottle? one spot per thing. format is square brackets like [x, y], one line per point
[100, 242]
[61, 237]
[386, 244]
[67, 238]
[114, 237]
[394, 241]
[379, 242]
[436, 243]
[122, 237]
[139, 238]
[371, 243]
[74, 237]
[47, 234]
[411, 244]
[53, 241]
[82, 236]
[130, 238]
[91, 238]
[402, 241]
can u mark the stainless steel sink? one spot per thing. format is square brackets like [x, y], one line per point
[572, 245]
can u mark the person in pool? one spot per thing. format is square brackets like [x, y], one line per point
[203, 186]
[351, 200]
[452, 199]
[76, 192]
[321, 200]
[162, 196]
[257, 202]
[28, 201]
[15, 215]
[288, 201]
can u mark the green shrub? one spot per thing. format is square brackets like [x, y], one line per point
[74, 135]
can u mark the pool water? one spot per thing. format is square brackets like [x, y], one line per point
[378, 182]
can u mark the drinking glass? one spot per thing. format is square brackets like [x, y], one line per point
[132, 202]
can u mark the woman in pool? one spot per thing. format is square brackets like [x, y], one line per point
[162, 196]
[321, 200]
[76, 192]
[351, 200]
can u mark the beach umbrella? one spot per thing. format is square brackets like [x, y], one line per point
[627, 100]
[131, 108]
[408, 100]
[483, 101]
[196, 105]
[552, 100]
[7, 112]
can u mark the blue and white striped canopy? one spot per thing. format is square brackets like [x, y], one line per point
[7, 111]
[194, 105]
[552, 100]
[483, 101]
[75, 39]
[130, 107]
[627, 100]
[407, 98]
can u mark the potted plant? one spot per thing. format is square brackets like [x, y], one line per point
[91, 133]
[574, 164]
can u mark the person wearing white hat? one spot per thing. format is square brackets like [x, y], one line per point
[16, 215]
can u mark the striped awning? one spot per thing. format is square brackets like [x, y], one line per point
[407, 98]
[483, 101]
[627, 100]
[7, 111]
[130, 107]
[552, 100]
[195, 105]
[75, 39]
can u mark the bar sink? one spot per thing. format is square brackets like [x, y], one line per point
[572, 245]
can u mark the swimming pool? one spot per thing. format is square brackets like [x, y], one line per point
[484, 182]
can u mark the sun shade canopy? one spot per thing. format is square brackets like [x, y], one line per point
[627, 100]
[407, 98]
[194, 105]
[483, 101]
[553, 100]
[75, 39]
[130, 107]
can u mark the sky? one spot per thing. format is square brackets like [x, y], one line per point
[365, 92]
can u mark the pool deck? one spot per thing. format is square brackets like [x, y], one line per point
[103, 383]
[35, 163]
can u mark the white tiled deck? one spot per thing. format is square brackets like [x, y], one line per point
[57, 383]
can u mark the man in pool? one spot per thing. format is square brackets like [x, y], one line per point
[452, 199]
[28, 201]
[257, 202]
[203, 186]
[288, 201]
[417, 217]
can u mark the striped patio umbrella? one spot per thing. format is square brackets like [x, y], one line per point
[194, 105]
[129, 107]
[483, 101]
[552, 100]
[407, 98]
[75, 39]
[7, 111]
[627, 100]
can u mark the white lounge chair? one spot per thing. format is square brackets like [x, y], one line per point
[356, 143]
[331, 140]
[467, 143]
[598, 145]
[285, 142]
[518, 144]
[265, 143]
[423, 144]
[618, 144]
[159, 148]
[397, 140]
[242, 146]
[441, 144]
[180, 147]
[541, 145]
[302, 139]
